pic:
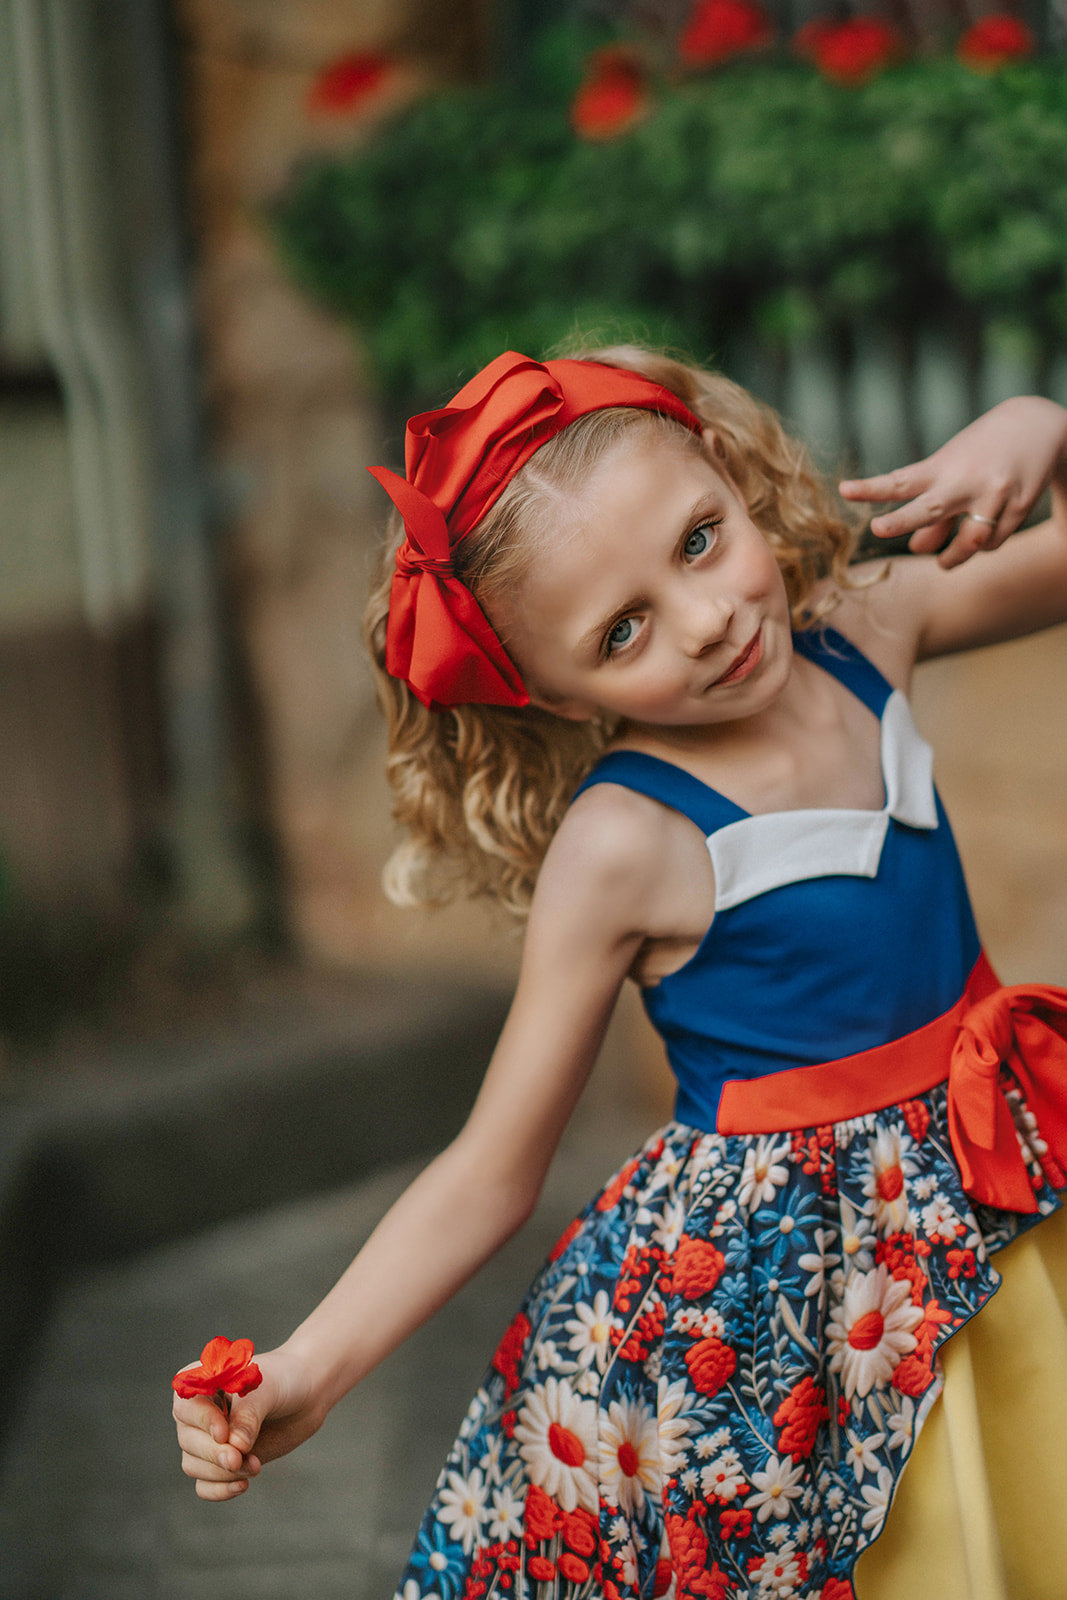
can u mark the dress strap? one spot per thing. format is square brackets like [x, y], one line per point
[670, 785]
[841, 658]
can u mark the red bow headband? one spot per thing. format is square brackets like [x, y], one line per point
[458, 461]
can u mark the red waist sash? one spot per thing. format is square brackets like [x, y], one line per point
[1022, 1027]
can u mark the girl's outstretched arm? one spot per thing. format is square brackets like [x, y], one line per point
[582, 938]
[968, 498]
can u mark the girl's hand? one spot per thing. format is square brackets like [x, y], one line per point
[981, 484]
[222, 1454]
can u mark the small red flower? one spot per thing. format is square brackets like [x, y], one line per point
[572, 1567]
[697, 1267]
[799, 1416]
[992, 41]
[541, 1568]
[735, 1522]
[509, 1352]
[611, 98]
[711, 1364]
[719, 29]
[348, 83]
[917, 1116]
[850, 52]
[837, 1589]
[223, 1366]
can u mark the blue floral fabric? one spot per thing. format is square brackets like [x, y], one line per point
[715, 1382]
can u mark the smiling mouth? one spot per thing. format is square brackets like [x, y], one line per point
[745, 663]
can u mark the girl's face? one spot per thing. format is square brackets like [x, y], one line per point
[664, 606]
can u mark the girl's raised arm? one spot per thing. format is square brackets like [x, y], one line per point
[582, 939]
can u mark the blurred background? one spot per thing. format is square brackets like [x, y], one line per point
[240, 240]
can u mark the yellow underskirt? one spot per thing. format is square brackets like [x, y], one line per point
[981, 1509]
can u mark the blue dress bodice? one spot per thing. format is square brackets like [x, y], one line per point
[835, 930]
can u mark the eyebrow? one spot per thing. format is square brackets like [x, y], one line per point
[590, 640]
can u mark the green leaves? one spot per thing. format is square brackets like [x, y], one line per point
[761, 195]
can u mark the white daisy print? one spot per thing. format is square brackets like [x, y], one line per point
[940, 1220]
[818, 1262]
[463, 1507]
[890, 1167]
[876, 1497]
[590, 1328]
[672, 1427]
[505, 1521]
[629, 1455]
[871, 1330]
[775, 1487]
[762, 1173]
[857, 1238]
[556, 1431]
[901, 1424]
[862, 1453]
[724, 1476]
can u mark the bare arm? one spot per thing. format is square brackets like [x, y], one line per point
[583, 935]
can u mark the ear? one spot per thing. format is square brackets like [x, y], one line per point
[569, 710]
[713, 444]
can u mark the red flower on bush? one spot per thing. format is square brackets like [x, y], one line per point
[223, 1366]
[344, 86]
[992, 41]
[711, 1364]
[697, 1267]
[719, 29]
[799, 1416]
[611, 98]
[850, 52]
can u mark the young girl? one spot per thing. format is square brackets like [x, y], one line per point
[617, 575]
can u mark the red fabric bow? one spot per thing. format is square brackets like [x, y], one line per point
[458, 461]
[1023, 1027]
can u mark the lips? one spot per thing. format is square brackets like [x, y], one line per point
[745, 663]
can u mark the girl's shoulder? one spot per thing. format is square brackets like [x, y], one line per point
[634, 863]
[878, 614]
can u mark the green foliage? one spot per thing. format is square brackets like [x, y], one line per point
[762, 197]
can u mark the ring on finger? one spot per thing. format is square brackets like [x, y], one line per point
[976, 516]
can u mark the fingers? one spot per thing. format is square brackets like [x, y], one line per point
[213, 1455]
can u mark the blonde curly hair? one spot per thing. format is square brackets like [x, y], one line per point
[480, 790]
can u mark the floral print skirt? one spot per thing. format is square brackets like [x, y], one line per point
[715, 1382]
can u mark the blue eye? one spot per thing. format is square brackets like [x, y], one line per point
[698, 541]
[621, 634]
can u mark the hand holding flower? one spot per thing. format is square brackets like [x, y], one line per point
[271, 1414]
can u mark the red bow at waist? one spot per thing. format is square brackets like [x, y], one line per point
[1022, 1028]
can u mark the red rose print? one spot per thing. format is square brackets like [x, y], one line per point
[610, 99]
[799, 1416]
[347, 83]
[224, 1367]
[719, 29]
[542, 1515]
[697, 1267]
[994, 40]
[711, 1364]
[580, 1531]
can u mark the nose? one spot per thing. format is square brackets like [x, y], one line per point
[703, 621]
